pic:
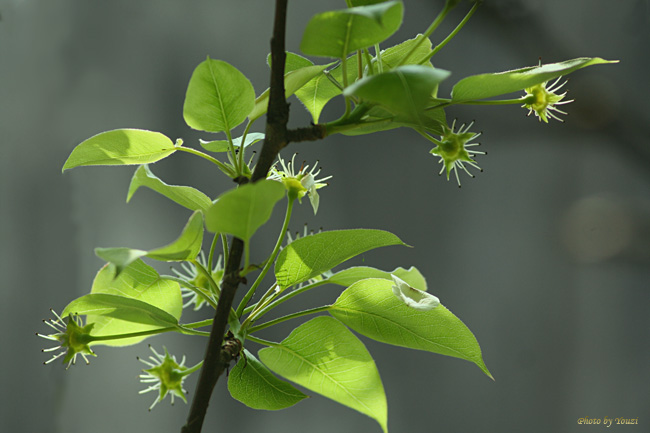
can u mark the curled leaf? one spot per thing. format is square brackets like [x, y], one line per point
[413, 297]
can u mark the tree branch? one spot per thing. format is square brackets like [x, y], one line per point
[219, 355]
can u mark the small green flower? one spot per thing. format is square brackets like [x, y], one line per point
[543, 101]
[166, 375]
[73, 338]
[300, 182]
[197, 279]
[452, 148]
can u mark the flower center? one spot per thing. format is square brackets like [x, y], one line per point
[452, 146]
[541, 100]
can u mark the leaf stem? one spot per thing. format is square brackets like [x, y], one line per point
[451, 35]
[195, 289]
[200, 324]
[290, 295]
[380, 63]
[269, 261]
[212, 248]
[344, 71]
[224, 247]
[434, 25]
[288, 317]
[134, 334]
[242, 146]
[359, 65]
[233, 154]
[368, 57]
[191, 369]
[261, 341]
[223, 167]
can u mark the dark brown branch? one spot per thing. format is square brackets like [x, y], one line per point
[219, 355]
[277, 114]
[311, 133]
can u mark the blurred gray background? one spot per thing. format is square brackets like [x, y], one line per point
[545, 255]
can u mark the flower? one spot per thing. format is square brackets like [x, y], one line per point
[197, 279]
[300, 182]
[412, 297]
[452, 149]
[167, 376]
[543, 100]
[73, 337]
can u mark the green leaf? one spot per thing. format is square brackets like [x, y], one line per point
[186, 247]
[185, 196]
[241, 211]
[354, 3]
[122, 308]
[310, 256]
[349, 276]
[392, 56]
[325, 357]
[219, 97]
[223, 146]
[380, 119]
[121, 147]
[316, 94]
[405, 90]
[485, 86]
[140, 282]
[320, 90]
[120, 257]
[370, 308]
[293, 81]
[338, 33]
[293, 61]
[251, 383]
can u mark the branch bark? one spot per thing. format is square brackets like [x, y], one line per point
[219, 355]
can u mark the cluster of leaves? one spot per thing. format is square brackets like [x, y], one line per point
[382, 89]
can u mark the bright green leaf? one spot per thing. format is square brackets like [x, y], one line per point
[316, 94]
[219, 97]
[243, 210]
[392, 56]
[140, 282]
[223, 146]
[405, 90]
[325, 357]
[354, 3]
[251, 383]
[310, 256]
[338, 33]
[320, 90]
[122, 308]
[485, 86]
[186, 196]
[121, 147]
[186, 247]
[379, 119]
[370, 308]
[293, 81]
[293, 61]
[120, 257]
[349, 276]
